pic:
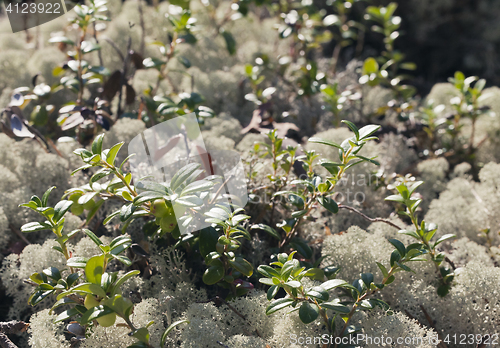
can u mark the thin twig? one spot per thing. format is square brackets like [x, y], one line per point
[264, 187]
[431, 324]
[19, 233]
[220, 189]
[481, 142]
[55, 147]
[143, 29]
[369, 218]
[11, 327]
[478, 198]
[452, 264]
[123, 79]
[38, 134]
[115, 46]
[441, 344]
[14, 326]
[99, 53]
[5, 342]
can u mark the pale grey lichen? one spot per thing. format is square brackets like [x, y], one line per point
[46, 334]
[465, 207]
[434, 174]
[5, 232]
[398, 329]
[16, 268]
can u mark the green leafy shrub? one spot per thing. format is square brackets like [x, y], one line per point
[316, 251]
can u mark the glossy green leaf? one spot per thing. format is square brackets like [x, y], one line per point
[273, 290]
[230, 41]
[142, 334]
[123, 279]
[315, 273]
[214, 273]
[45, 196]
[268, 271]
[208, 240]
[444, 238]
[371, 160]
[119, 304]
[60, 209]
[94, 211]
[62, 302]
[97, 144]
[242, 266]
[92, 236]
[395, 256]
[38, 296]
[319, 293]
[111, 156]
[368, 130]
[370, 66]
[329, 204]
[271, 231]
[333, 283]
[169, 329]
[102, 173]
[77, 262]
[353, 127]
[336, 306]
[197, 186]
[325, 142]
[383, 269]
[86, 288]
[399, 246]
[95, 268]
[66, 314]
[308, 312]
[53, 273]
[95, 313]
[395, 198]
[181, 176]
[278, 304]
[302, 247]
[110, 217]
[35, 226]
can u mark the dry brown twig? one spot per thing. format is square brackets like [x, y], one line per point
[431, 324]
[10, 327]
[369, 218]
[19, 234]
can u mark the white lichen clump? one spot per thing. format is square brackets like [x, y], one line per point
[16, 268]
[46, 334]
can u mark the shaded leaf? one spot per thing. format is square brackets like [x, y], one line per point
[308, 312]
[276, 305]
[230, 41]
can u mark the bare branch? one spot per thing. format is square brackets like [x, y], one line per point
[5, 342]
[369, 218]
[13, 326]
[115, 46]
[19, 233]
[431, 324]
